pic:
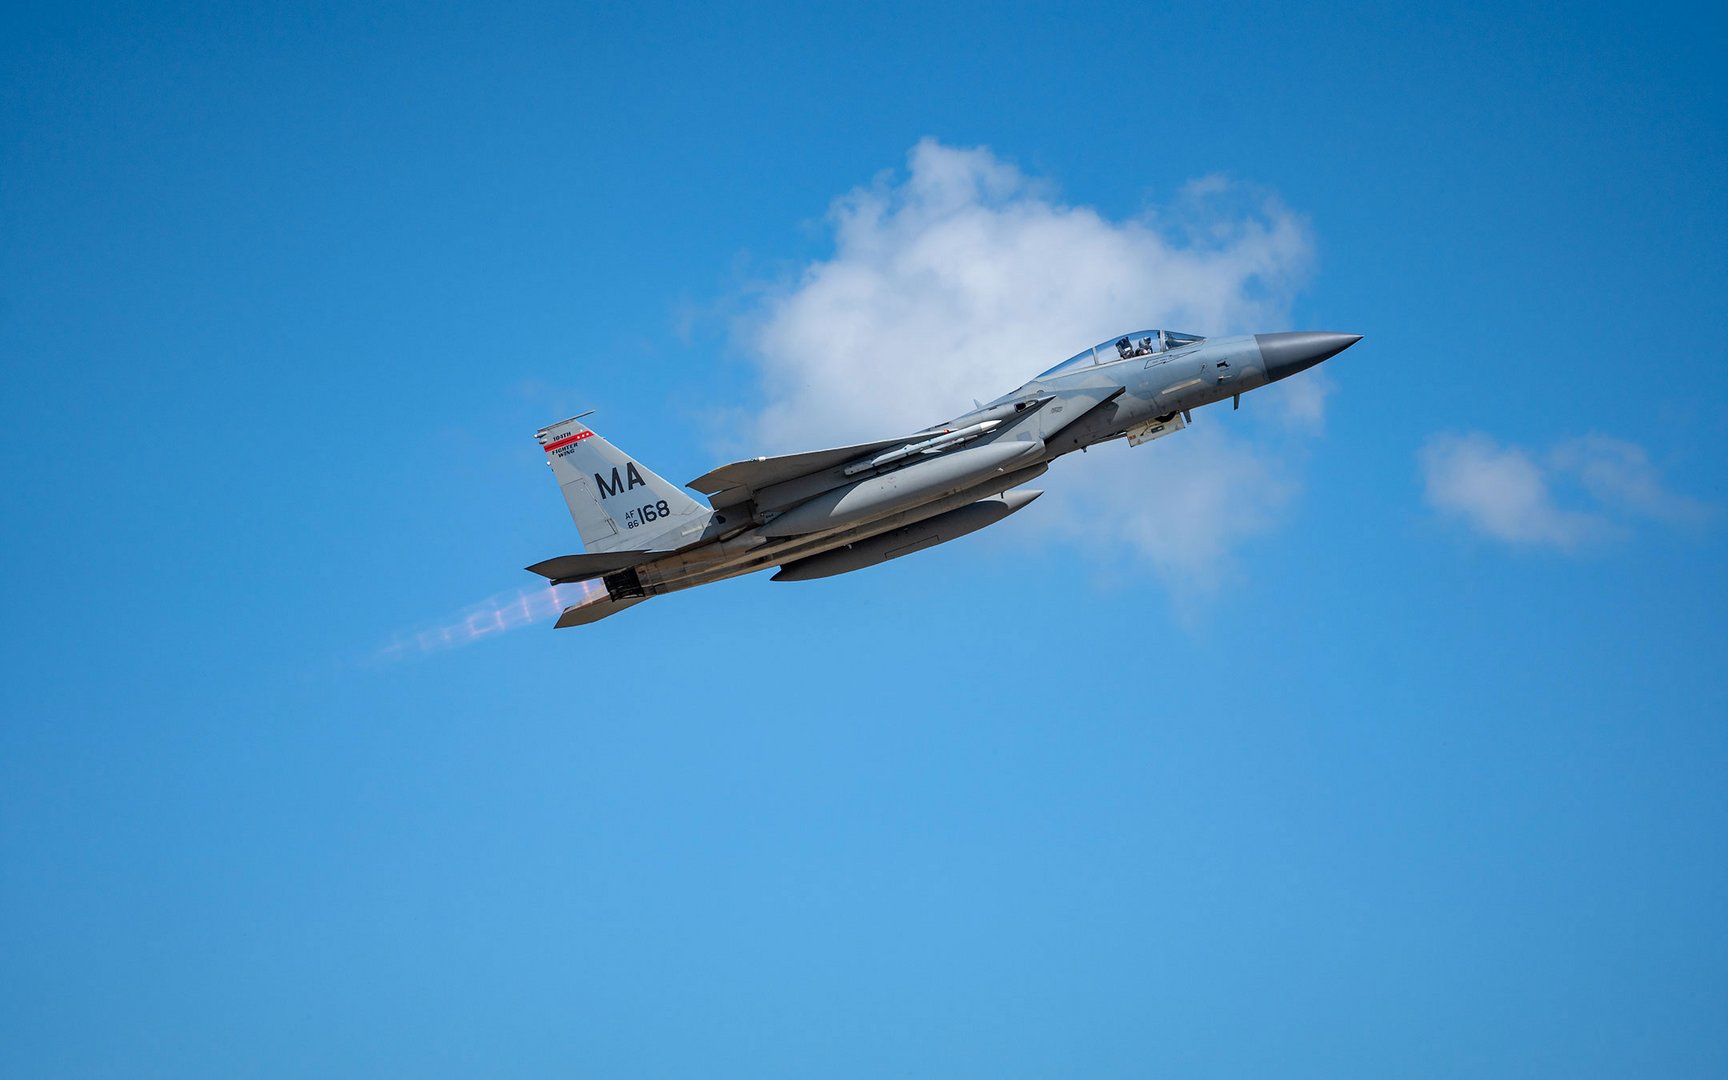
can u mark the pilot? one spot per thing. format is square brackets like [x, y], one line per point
[1146, 348]
[1124, 349]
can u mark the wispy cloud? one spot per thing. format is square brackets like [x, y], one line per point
[1180, 503]
[963, 277]
[1580, 492]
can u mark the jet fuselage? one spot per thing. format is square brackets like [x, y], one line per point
[829, 512]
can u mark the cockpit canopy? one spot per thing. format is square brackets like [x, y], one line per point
[1126, 347]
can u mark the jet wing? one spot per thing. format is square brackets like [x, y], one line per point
[590, 565]
[738, 482]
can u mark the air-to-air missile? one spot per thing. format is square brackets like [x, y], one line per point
[940, 441]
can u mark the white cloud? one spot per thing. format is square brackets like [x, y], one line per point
[1580, 492]
[1179, 503]
[1618, 475]
[964, 277]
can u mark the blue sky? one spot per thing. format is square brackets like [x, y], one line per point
[1376, 729]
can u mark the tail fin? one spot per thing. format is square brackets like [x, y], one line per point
[615, 502]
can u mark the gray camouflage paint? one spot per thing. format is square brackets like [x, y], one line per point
[646, 536]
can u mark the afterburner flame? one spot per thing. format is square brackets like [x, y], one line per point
[497, 614]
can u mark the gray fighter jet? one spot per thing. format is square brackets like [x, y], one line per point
[832, 511]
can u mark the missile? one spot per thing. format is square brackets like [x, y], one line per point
[939, 441]
[919, 535]
[879, 496]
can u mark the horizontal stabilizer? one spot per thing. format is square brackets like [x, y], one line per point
[591, 565]
[594, 610]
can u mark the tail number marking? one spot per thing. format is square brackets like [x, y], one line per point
[642, 515]
[612, 486]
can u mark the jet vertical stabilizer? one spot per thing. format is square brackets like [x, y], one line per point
[616, 502]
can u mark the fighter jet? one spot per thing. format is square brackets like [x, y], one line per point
[829, 512]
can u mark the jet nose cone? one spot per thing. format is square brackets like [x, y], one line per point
[1286, 354]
